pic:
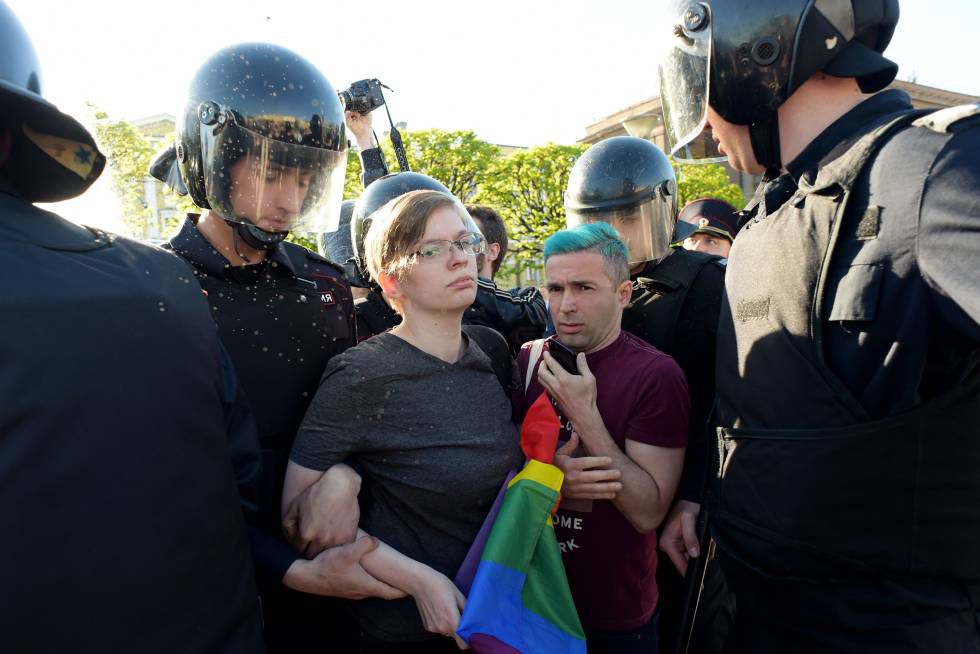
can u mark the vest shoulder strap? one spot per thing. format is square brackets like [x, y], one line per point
[941, 121]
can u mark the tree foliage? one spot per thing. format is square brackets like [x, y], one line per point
[527, 190]
[128, 154]
[458, 159]
[352, 182]
[706, 181]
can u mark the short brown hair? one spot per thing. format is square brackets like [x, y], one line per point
[493, 229]
[398, 227]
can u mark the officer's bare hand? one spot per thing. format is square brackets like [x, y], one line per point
[325, 514]
[337, 572]
[587, 477]
[679, 540]
[362, 127]
[575, 394]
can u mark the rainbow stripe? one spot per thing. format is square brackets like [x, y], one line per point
[520, 601]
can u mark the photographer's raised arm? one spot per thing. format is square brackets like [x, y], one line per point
[373, 164]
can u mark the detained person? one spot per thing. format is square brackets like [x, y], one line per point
[626, 409]
[431, 433]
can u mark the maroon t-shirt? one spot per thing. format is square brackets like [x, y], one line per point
[642, 396]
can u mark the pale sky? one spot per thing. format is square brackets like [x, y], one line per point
[516, 72]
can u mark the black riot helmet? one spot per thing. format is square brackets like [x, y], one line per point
[379, 193]
[261, 142]
[745, 58]
[336, 246]
[629, 183]
[53, 157]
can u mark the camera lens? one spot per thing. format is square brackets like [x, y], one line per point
[345, 99]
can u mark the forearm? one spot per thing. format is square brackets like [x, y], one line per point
[391, 566]
[641, 500]
[298, 479]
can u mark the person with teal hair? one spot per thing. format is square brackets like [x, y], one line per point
[624, 413]
[598, 237]
[629, 183]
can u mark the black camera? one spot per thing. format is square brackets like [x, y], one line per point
[363, 96]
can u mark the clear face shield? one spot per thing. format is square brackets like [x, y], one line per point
[645, 228]
[276, 186]
[685, 75]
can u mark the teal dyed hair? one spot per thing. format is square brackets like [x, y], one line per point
[598, 237]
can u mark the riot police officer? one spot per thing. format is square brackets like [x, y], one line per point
[122, 529]
[261, 147]
[848, 514]
[629, 183]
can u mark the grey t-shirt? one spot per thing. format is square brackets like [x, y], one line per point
[434, 442]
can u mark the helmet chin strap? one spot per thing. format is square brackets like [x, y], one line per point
[254, 237]
[765, 144]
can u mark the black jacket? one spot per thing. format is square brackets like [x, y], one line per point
[675, 308]
[122, 528]
[281, 321]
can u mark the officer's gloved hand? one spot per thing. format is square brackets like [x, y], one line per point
[325, 514]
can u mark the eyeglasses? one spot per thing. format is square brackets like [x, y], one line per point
[471, 244]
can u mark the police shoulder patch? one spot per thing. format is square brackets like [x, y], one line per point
[941, 121]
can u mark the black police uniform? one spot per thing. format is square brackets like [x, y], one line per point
[848, 515]
[675, 308]
[122, 527]
[374, 315]
[519, 314]
[281, 321]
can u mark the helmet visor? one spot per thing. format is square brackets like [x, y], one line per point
[685, 73]
[645, 228]
[276, 186]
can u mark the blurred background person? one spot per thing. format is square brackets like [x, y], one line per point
[707, 225]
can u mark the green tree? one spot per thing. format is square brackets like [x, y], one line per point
[352, 182]
[527, 190]
[706, 181]
[458, 159]
[128, 153]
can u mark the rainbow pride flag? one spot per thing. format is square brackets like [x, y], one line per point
[519, 601]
